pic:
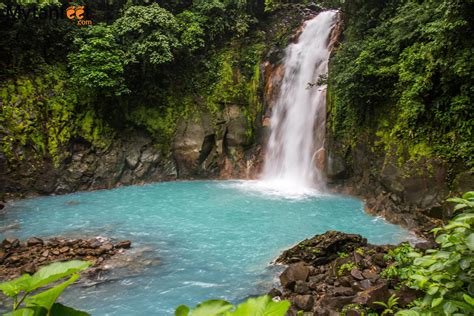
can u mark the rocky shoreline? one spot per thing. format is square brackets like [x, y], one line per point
[339, 274]
[17, 257]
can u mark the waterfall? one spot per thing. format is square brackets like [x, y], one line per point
[297, 123]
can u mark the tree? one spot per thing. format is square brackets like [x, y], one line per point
[98, 62]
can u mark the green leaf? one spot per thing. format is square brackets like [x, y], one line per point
[261, 306]
[449, 308]
[29, 311]
[468, 299]
[424, 261]
[211, 308]
[182, 310]
[61, 310]
[56, 271]
[436, 302]
[470, 241]
[432, 290]
[14, 287]
[47, 298]
[407, 313]
[468, 195]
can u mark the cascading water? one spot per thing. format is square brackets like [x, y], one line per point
[297, 121]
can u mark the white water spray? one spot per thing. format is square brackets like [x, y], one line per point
[297, 123]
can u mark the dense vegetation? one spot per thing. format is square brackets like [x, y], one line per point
[404, 72]
[51, 280]
[142, 64]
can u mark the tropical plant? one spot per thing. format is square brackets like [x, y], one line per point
[446, 275]
[97, 65]
[43, 302]
[390, 306]
[260, 306]
[400, 262]
[346, 267]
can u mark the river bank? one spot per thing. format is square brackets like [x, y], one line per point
[339, 274]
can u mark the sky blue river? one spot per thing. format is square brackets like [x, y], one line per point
[214, 239]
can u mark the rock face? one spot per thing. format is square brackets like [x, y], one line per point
[18, 257]
[203, 147]
[328, 272]
[413, 194]
[132, 159]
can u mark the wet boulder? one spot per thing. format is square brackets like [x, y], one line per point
[295, 272]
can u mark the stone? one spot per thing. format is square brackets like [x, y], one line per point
[64, 249]
[371, 275]
[335, 302]
[357, 274]
[379, 260]
[297, 271]
[33, 241]
[320, 311]
[107, 247]
[343, 291]
[125, 244]
[29, 268]
[94, 244]
[406, 295]
[426, 245]
[324, 248]
[345, 281]
[354, 312]
[45, 253]
[376, 293]
[56, 252]
[301, 287]
[10, 243]
[132, 158]
[304, 302]
[274, 293]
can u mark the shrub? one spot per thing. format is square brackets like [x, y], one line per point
[446, 275]
[259, 306]
[44, 302]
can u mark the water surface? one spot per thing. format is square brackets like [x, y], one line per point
[215, 239]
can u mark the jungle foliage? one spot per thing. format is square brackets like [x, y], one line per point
[405, 70]
[140, 64]
[445, 274]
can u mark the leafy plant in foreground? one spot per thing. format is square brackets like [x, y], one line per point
[260, 306]
[43, 302]
[446, 275]
[390, 307]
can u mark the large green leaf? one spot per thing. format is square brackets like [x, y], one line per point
[468, 195]
[47, 298]
[14, 287]
[449, 308]
[56, 271]
[211, 308]
[469, 299]
[29, 311]
[61, 310]
[261, 306]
